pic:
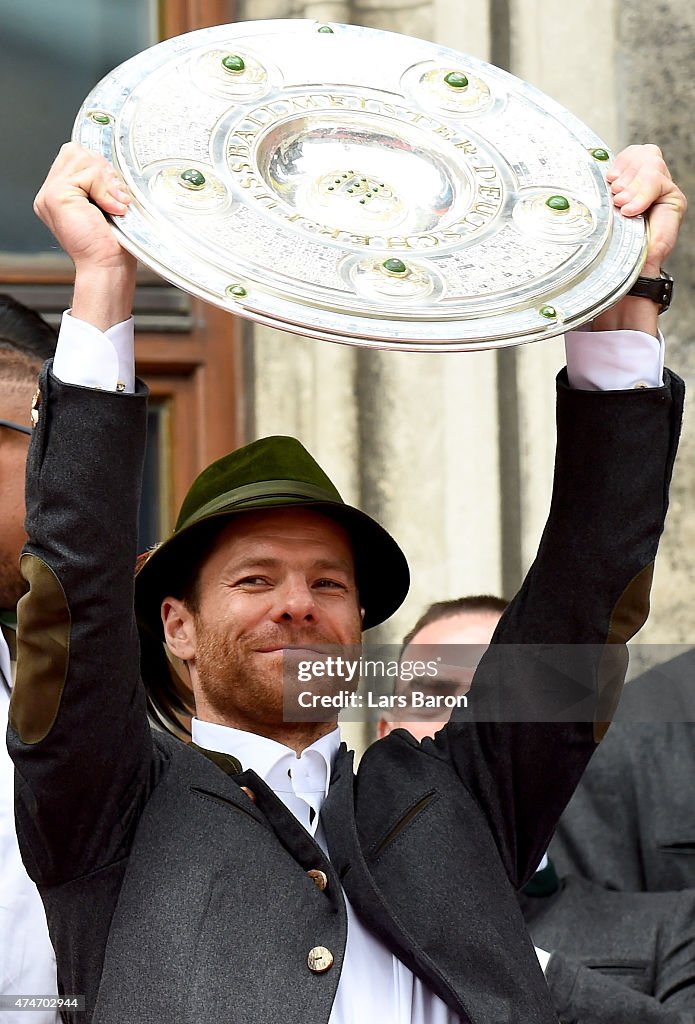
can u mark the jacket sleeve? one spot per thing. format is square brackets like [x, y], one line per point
[553, 674]
[582, 995]
[78, 732]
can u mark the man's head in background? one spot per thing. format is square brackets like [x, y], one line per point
[465, 623]
[26, 341]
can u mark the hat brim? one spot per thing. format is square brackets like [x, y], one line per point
[381, 569]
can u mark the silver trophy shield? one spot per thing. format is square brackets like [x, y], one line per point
[361, 187]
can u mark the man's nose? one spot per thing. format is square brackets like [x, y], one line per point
[295, 602]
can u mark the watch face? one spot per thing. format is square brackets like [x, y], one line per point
[362, 187]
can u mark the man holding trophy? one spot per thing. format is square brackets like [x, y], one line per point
[254, 876]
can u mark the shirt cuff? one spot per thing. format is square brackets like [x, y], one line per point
[89, 358]
[614, 360]
[543, 958]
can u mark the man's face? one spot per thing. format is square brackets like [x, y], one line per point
[275, 580]
[14, 405]
[467, 631]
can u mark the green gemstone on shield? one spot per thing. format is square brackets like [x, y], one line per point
[326, 29]
[100, 117]
[237, 291]
[600, 154]
[234, 63]
[560, 204]
[456, 80]
[395, 266]
[192, 178]
[549, 312]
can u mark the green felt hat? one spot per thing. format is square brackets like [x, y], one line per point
[274, 472]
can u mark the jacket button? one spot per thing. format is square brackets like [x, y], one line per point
[249, 792]
[320, 959]
[319, 878]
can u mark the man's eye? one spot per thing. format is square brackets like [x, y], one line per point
[252, 581]
[327, 584]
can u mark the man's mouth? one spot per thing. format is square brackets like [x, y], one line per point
[292, 649]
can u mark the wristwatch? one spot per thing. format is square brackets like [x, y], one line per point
[658, 289]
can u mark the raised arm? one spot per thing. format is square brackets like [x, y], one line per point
[553, 675]
[78, 728]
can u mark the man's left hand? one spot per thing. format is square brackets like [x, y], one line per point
[641, 183]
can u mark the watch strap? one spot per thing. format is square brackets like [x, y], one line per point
[658, 289]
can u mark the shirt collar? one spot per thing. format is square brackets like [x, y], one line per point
[272, 761]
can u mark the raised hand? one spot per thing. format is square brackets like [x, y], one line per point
[641, 182]
[79, 186]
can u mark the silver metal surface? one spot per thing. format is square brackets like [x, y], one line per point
[361, 187]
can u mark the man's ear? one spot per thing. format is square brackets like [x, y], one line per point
[179, 628]
[383, 728]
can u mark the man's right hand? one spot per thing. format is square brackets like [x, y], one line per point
[80, 185]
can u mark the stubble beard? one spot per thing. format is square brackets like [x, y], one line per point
[245, 690]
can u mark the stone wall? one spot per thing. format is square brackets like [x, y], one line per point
[656, 101]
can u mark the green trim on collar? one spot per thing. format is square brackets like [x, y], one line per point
[229, 764]
[8, 617]
[544, 883]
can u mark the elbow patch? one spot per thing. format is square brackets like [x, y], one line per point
[43, 639]
[629, 615]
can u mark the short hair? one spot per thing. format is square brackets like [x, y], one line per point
[186, 584]
[455, 606]
[26, 339]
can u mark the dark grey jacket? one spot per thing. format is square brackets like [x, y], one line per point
[631, 823]
[617, 957]
[171, 897]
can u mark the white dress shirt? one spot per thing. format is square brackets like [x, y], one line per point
[27, 961]
[374, 985]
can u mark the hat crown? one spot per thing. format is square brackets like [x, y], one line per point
[275, 459]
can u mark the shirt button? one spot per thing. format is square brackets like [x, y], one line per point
[639, 385]
[319, 878]
[320, 959]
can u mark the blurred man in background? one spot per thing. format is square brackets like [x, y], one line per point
[459, 631]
